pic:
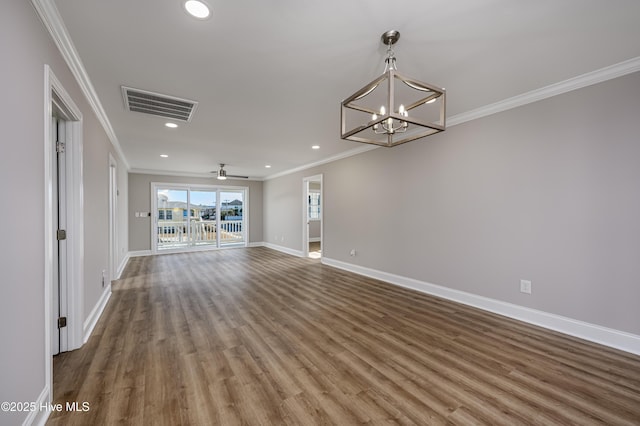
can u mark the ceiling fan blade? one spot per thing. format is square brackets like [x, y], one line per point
[217, 173]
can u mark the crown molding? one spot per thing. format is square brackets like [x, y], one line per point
[186, 174]
[50, 17]
[607, 73]
[52, 20]
[603, 74]
[331, 159]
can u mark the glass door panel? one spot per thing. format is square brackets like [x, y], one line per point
[198, 217]
[172, 218]
[202, 217]
[232, 228]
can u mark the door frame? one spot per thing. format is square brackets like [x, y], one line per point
[305, 212]
[113, 221]
[56, 96]
[59, 286]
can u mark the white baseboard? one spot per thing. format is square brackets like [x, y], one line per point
[139, 253]
[605, 336]
[142, 253]
[95, 314]
[122, 265]
[286, 250]
[39, 417]
[314, 239]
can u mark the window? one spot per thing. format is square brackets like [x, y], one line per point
[186, 216]
[314, 205]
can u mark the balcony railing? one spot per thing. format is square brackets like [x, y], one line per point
[172, 233]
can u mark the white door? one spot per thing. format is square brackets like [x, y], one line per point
[59, 335]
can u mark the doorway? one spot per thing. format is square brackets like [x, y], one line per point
[63, 223]
[58, 140]
[65, 219]
[312, 217]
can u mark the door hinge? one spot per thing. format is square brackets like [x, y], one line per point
[62, 322]
[61, 234]
[60, 147]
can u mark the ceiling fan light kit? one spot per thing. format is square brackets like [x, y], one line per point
[393, 109]
[221, 174]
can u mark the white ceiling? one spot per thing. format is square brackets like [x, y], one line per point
[269, 76]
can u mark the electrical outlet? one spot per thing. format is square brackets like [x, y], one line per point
[352, 252]
[525, 286]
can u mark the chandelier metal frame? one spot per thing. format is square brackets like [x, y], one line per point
[399, 122]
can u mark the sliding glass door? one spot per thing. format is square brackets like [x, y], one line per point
[196, 217]
[231, 217]
[202, 223]
[172, 229]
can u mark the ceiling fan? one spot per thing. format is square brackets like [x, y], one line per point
[222, 174]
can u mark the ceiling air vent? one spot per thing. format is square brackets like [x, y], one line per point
[157, 104]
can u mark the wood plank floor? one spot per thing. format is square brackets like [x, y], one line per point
[255, 337]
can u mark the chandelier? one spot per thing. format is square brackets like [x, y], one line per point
[393, 109]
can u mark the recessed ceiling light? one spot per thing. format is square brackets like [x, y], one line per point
[315, 147]
[197, 9]
[164, 156]
[268, 166]
[171, 125]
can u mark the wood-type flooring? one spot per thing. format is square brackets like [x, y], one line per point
[252, 336]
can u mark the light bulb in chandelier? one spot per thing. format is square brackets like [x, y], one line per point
[391, 126]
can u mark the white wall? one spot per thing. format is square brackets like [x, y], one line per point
[25, 48]
[546, 192]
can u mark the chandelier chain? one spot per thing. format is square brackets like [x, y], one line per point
[390, 61]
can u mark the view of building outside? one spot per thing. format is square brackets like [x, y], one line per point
[188, 217]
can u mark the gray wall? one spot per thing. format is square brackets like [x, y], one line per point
[314, 228]
[140, 200]
[546, 192]
[283, 209]
[25, 47]
[97, 148]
